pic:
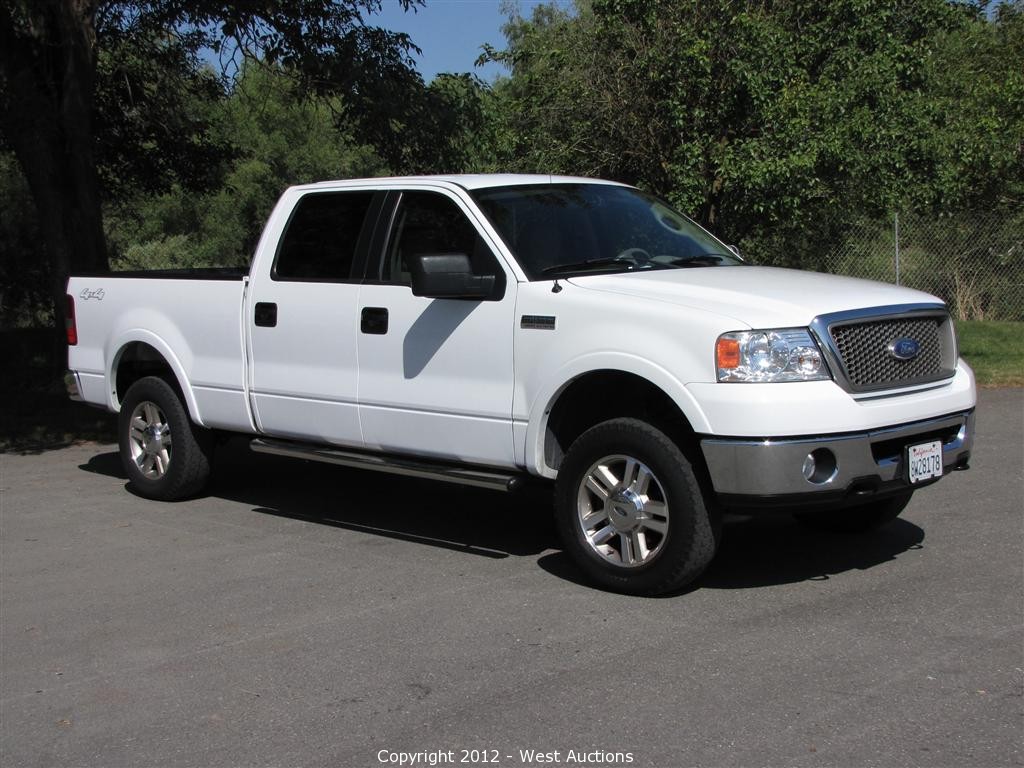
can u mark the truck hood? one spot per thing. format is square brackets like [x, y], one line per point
[760, 297]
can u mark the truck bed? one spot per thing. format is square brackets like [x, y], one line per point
[192, 318]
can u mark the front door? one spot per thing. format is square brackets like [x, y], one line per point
[435, 375]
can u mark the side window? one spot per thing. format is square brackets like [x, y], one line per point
[320, 240]
[428, 222]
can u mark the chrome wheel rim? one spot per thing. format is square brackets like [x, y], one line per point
[149, 438]
[622, 511]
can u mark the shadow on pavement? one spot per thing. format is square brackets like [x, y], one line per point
[455, 517]
[775, 550]
[755, 552]
[767, 552]
[108, 464]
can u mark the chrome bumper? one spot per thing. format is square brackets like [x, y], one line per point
[865, 462]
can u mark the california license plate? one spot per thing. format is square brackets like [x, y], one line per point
[924, 461]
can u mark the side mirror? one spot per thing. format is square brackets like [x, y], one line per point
[447, 276]
[736, 250]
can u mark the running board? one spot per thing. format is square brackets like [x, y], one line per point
[493, 479]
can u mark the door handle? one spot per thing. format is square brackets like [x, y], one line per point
[265, 314]
[374, 320]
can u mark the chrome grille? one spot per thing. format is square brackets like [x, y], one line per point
[863, 349]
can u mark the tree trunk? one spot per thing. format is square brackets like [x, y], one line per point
[48, 65]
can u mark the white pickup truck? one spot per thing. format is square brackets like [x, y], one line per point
[484, 329]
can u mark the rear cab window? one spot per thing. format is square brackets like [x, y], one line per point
[322, 237]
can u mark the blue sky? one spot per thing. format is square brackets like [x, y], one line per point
[450, 32]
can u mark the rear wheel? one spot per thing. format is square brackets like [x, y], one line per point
[164, 454]
[630, 511]
[859, 519]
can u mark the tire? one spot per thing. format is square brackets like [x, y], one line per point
[165, 455]
[630, 511]
[862, 518]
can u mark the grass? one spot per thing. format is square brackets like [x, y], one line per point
[995, 350]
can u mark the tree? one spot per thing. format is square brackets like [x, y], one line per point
[280, 136]
[769, 121]
[24, 279]
[156, 105]
[49, 56]
[442, 128]
[978, 99]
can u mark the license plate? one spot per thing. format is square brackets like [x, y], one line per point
[924, 461]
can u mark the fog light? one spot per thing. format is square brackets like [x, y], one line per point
[820, 466]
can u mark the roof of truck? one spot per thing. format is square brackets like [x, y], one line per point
[471, 180]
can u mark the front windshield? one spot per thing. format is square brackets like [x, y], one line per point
[557, 230]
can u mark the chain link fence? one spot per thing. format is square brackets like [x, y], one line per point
[975, 262]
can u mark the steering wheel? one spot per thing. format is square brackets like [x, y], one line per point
[636, 255]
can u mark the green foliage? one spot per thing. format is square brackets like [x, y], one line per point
[154, 103]
[794, 129]
[112, 84]
[280, 137]
[765, 120]
[977, 99]
[444, 130]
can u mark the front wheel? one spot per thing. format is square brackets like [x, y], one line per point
[630, 510]
[164, 454]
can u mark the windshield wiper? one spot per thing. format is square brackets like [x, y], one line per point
[576, 266]
[703, 260]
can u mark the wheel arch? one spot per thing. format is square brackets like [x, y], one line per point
[143, 354]
[596, 394]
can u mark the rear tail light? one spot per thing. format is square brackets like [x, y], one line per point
[69, 322]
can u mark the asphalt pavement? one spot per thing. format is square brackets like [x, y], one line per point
[306, 615]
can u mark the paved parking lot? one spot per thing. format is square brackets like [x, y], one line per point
[304, 615]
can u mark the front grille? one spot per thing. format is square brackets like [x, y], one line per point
[863, 349]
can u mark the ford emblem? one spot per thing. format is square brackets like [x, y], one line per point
[904, 349]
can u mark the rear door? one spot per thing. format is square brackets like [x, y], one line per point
[435, 375]
[303, 319]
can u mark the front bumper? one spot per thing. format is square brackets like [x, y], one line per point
[756, 472]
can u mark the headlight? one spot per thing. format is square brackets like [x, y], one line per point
[788, 354]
